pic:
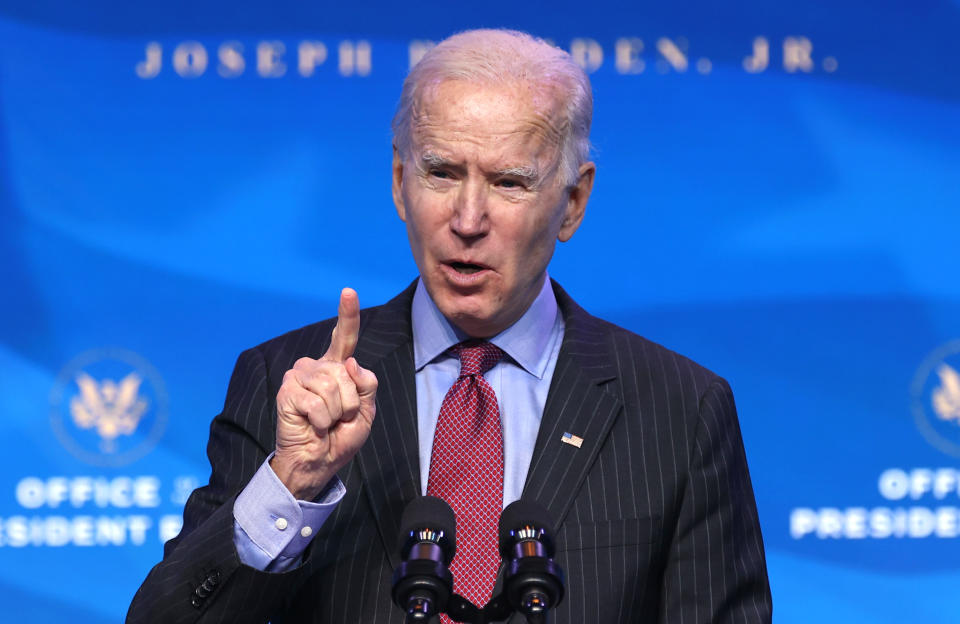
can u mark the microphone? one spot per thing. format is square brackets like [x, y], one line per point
[533, 582]
[422, 583]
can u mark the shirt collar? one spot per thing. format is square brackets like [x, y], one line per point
[525, 341]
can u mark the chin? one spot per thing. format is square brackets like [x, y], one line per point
[469, 321]
[469, 318]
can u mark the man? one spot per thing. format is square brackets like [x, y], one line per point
[329, 431]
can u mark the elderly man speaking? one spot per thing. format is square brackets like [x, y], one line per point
[483, 382]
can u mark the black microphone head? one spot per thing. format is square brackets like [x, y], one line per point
[533, 582]
[523, 520]
[429, 519]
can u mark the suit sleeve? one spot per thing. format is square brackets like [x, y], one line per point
[716, 571]
[201, 578]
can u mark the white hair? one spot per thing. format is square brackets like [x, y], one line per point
[504, 57]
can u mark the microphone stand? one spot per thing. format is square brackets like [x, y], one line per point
[459, 609]
[462, 610]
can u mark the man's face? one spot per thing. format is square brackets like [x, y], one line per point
[484, 200]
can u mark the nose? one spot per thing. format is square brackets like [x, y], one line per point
[470, 218]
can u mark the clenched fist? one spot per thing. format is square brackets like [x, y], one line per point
[325, 409]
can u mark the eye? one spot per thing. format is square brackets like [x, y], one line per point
[508, 183]
[440, 173]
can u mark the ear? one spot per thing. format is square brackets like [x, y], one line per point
[398, 184]
[577, 202]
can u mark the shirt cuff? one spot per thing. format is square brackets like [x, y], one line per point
[271, 527]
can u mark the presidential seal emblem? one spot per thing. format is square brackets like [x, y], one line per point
[108, 407]
[936, 398]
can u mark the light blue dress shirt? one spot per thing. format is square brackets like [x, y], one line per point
[520, 381]
[272, 528]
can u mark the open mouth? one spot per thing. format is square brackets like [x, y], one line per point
[466, 267]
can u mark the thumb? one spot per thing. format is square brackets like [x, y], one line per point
[364, 379]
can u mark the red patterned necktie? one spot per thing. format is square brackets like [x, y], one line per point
[466, 470]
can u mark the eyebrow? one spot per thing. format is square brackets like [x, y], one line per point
[432, 159]
[529, 173]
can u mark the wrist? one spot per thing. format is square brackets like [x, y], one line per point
[302, 480]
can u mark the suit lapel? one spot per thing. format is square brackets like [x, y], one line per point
[390, 459]
[577, 403]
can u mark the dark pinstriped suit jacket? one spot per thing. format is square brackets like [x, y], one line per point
[658, 521]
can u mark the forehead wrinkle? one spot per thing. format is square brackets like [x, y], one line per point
[445, 132]
[544, 99]
[544, 116]
[440, 142]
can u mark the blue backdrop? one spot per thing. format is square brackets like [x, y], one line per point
[778, 196]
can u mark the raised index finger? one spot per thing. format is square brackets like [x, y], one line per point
[344, 338]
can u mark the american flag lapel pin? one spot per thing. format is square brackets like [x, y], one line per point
[572, 440]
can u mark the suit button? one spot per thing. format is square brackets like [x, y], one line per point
[201, 592]
[213, 578]
[196, 601]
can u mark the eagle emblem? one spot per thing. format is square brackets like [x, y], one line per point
[946, 398]
[111, 408]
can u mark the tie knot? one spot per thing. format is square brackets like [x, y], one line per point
[476, 357]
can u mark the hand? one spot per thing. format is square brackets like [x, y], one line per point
[325, 409]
